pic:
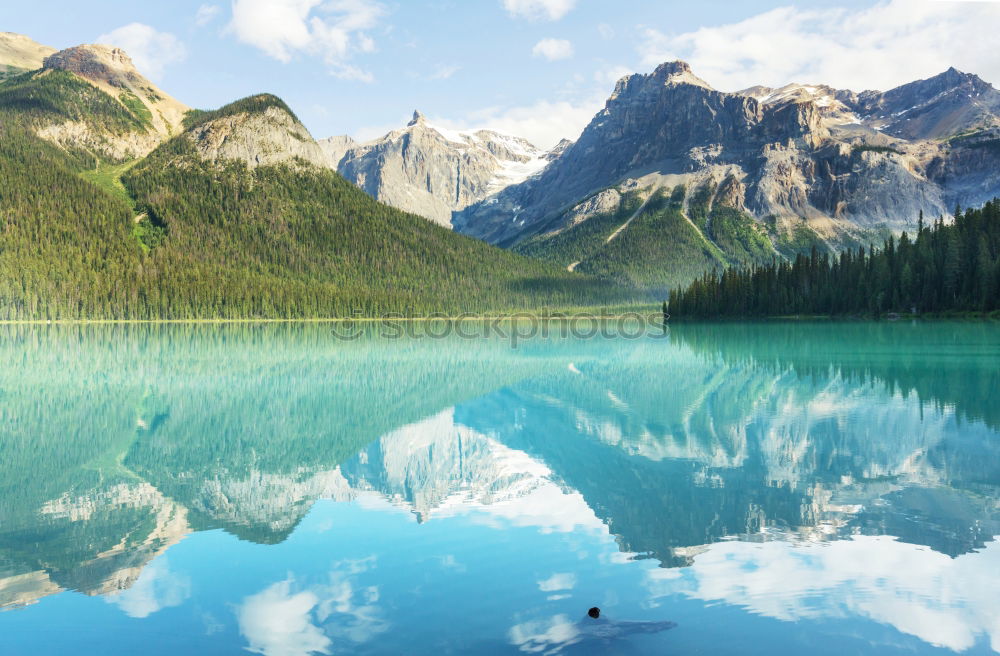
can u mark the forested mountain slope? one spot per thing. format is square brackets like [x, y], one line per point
[232, 218]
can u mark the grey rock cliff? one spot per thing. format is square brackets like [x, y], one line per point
[258, 139]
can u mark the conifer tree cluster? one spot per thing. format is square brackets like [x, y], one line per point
[945, 267]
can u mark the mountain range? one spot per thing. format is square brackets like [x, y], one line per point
[671, 179]
[736, 178]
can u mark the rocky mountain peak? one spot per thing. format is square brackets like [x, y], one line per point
[111, 70]
[678, 72]
[959, 77]
[434, 171]
[806, 152]
[946, 104]
[336, 147]
[557, 150]
[418, 119]
[668, 74]
[97, 63]
[942, 82]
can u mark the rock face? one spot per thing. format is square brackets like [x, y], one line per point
[111, 70]
[18, 54]
[835, 162]
[433, 171]
[257, 138]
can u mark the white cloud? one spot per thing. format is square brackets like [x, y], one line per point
[151, 51]
[332, 29]
[606, 31]
[553, 49]
[544, 636]
[156, 588]
[206, 14]
[276, 622]
[875, 48]
[559, 581]
[539, 9]
[351, 610]
[944, 601]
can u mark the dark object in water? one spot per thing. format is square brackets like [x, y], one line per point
[593, 626]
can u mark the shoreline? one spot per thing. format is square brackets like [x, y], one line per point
[930, 316]
[520, 316]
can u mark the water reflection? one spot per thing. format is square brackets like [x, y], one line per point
[757, 466]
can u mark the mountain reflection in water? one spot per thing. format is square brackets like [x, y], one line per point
[797, 471]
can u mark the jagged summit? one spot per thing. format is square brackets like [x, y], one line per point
[557, 150]
[98, 63]
[336, 147]
[678, 72]
[956, 76]
[944, 105]
[666, 74]
[418, 119]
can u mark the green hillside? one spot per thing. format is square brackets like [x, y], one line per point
[658, 244]
[52, 97]
[175, 237]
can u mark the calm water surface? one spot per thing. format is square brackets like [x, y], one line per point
[772, 489]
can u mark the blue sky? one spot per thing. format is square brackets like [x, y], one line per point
[536, 68]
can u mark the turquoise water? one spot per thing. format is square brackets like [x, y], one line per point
[771, 489]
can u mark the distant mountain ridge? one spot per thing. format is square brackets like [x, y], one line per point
[670, 180]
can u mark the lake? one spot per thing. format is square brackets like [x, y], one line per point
[776, 488]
